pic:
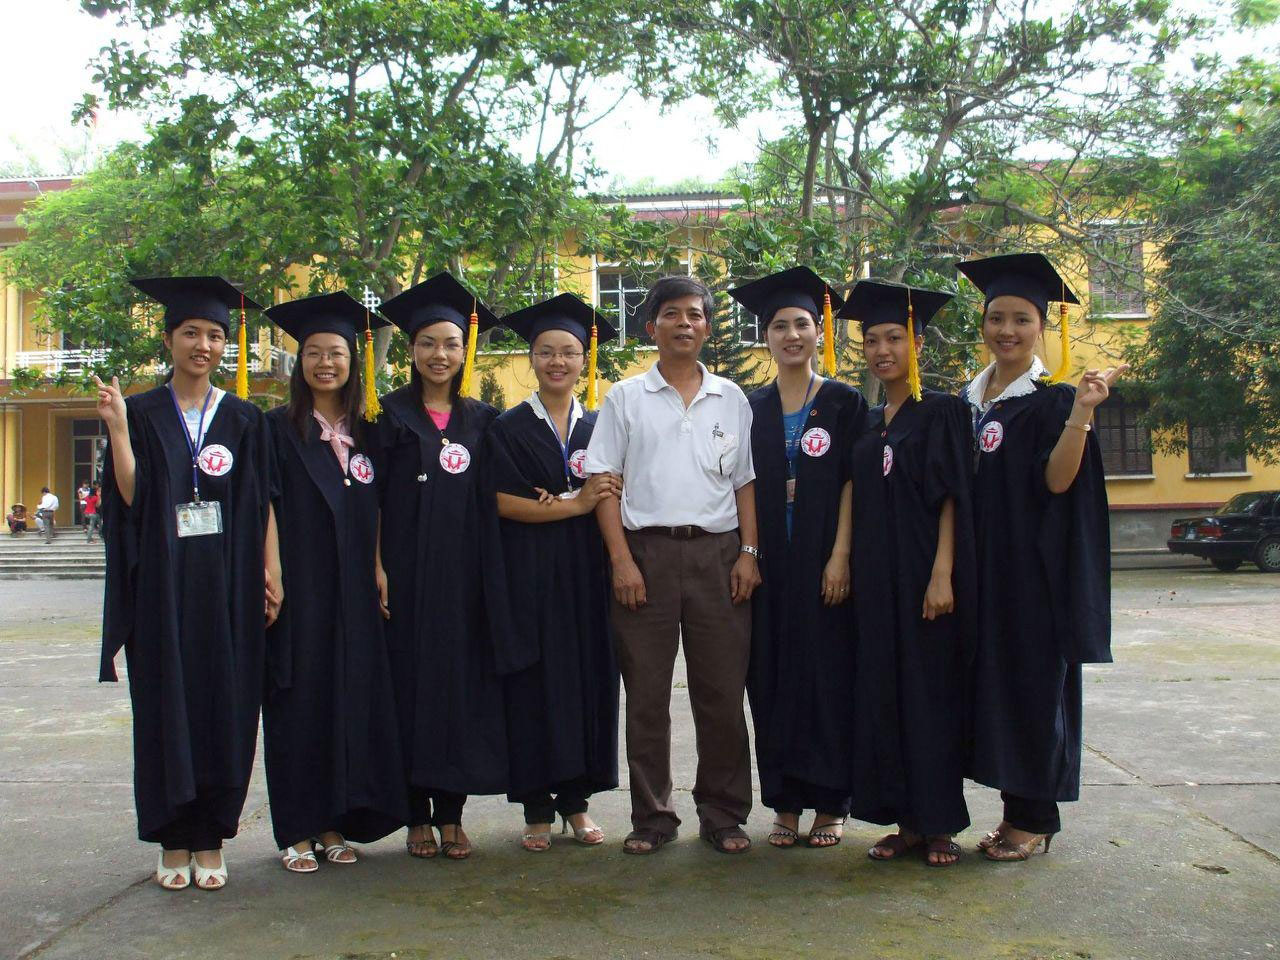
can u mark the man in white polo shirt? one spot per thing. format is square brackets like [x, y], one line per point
[683, 548]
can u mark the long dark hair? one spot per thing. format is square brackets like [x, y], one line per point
[302, 403]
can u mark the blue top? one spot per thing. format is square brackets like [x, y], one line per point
[792, 430]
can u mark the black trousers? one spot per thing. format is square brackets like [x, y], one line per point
[436, 807]
[540, 806]
[1033, 816]
[192, 832]
[797, 796]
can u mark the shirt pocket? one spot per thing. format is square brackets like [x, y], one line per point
[718, 452]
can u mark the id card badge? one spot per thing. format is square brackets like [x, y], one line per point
[791, 490]
[199, 519]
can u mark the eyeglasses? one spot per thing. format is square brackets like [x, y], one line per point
[333, 356]
[546, 356]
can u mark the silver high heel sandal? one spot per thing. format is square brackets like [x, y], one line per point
[580, 833]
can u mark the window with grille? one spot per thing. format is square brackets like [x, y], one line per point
[1124, 439]
[1116, 278]
[620, 297]
[1207, 449]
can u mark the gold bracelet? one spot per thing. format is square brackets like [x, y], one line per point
[1083, 427]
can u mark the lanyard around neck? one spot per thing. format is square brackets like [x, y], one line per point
[192, 445]
[563, 444]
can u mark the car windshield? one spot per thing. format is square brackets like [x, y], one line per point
[1243, 503]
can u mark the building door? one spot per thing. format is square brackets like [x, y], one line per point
[88, 442]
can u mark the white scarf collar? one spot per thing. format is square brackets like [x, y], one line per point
[575, 414]
[1024, 385]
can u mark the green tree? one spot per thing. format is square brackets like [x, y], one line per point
[1212, 352]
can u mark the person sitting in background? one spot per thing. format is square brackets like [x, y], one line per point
[17, 519]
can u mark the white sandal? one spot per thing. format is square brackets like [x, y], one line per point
[335, 850]
[580, 833]
[206, 875]
[166, 875]
[296, 862]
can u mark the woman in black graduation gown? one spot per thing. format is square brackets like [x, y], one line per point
[562, 712]
[914, 591]
[442, 572]
[801, 635]
[186, 519]
[332, 743]
[1043, 549]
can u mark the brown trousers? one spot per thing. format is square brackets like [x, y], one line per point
[687, 584]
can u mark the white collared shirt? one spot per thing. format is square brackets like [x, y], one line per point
[679, 466]
[575, 414]
[1024, 385]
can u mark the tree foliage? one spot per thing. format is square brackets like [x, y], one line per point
[1211, 356]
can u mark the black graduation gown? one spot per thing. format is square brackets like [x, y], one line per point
[801, 650]
[188, 612]
[562, 712]
[1044, 569]
[911, 674]
[330, 732]
[448, 635]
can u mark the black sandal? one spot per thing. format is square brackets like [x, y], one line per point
[716, 837]
[656, 840]
[822, 831]
[783, 832]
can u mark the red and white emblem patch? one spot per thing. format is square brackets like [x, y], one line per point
[578, 464]
[888, 459]
[455, 458]
[815, 442]
[991, 437]
[361, 467]
[215, 460]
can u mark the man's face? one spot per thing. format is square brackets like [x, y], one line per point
[680, 329]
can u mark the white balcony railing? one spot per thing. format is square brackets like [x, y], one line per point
[54, 362]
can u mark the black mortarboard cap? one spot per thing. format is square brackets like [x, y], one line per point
[1027, 275]
[873, 302]
[203, 298]
[437, 298]
[338, 313]
[565, 312]
[797, 287]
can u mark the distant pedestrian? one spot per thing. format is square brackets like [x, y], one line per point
[45, 513]
[82, 493]
[92, 519]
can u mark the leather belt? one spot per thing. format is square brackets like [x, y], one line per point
[686, 532]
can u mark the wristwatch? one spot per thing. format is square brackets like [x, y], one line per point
[750, 550]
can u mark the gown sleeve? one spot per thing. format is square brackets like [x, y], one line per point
[122, 533]
[279, 637]
[502, 473]
[1075, 543]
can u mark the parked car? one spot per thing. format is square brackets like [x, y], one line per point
[1246, 527]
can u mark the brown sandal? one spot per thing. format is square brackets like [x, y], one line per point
[989, 840]
[455, 849]
[718, 835]
[943, 845]
[656, 840]
[896, 844]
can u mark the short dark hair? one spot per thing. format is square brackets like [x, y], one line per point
[673, 287]
[44, 489]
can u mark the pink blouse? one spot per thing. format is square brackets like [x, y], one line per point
[441, 420]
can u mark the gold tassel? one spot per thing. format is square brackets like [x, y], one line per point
[371, 405]
[242, 357]
[468, 368]
[1064, 364]
[593, 396]
[828, 337]
[913, 362]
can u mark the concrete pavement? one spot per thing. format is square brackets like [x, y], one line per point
[1174, 850]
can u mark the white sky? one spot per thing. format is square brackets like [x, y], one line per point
[44, 71]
